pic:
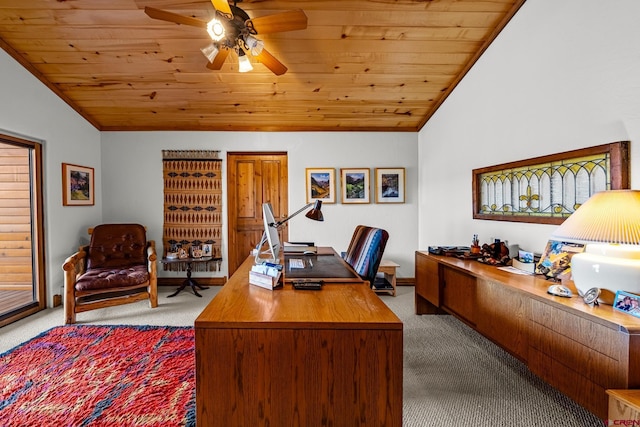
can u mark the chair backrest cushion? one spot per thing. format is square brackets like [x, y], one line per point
[117, 245]
[365, 251]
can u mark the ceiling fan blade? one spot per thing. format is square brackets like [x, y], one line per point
[270, 61]
[222, 6]
[219, 60]
[163, 15]
[285, 21]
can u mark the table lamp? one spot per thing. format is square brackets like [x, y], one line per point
[609, 224]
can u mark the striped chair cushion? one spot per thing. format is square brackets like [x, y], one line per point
[365, 251]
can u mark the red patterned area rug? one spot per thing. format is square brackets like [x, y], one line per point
[83, 375]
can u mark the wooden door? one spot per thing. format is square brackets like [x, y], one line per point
[253, 179]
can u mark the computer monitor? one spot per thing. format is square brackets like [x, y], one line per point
[269, 236]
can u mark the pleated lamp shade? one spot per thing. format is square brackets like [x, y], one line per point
[606, 217]
[609, 223]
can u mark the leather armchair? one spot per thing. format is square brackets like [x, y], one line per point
[365, 251]
[117, 267]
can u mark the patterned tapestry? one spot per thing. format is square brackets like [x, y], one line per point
[193, 205]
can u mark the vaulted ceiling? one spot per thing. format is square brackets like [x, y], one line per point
[360, 65]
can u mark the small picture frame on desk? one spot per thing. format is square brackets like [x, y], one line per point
[627, 303]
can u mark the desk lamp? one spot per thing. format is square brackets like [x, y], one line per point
[315, 213]
[609, 223]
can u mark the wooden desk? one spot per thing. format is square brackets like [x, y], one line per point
[580, 349]
[297, 358]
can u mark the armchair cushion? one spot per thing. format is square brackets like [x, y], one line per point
[117, 245]
[109, 278]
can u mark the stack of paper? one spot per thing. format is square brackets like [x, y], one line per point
[265, 276]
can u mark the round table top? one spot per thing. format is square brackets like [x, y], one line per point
[187, 259]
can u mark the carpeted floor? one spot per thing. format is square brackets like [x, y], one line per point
[452, 375]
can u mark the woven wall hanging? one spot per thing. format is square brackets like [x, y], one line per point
[192, 205]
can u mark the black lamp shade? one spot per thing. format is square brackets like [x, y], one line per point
[315, 213]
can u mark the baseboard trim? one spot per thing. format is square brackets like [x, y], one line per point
[405, 281]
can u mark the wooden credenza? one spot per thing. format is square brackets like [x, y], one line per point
[579, 349]
[297, 358]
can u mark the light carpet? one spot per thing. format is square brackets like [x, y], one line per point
[452, 375]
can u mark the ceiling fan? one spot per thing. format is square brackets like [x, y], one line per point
[233, 29]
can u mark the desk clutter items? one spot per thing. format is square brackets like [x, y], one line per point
[560, 291]
[312, 285]
[525, 261]
[556, 258]
[299, 248]
[266, 275]
[627, 302]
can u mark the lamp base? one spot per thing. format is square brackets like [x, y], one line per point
[608, 267]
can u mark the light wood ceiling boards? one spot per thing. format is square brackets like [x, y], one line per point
[361, 65]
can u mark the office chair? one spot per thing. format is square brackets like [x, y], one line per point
[365, 251]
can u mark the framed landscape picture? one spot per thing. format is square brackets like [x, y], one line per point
[321, 185]
[390, 185]
[354, 184]
[77, 185]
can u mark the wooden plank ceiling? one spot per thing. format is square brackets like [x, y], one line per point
[360, 65]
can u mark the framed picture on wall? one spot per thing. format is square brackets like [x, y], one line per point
[390, 185]
[77, 185]
[321, 184]
[354, 185]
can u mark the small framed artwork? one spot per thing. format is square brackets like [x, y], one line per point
[390, 185]
[207, 249]
[77, 185]
[354, 184]
[627, 302]
[321, 185]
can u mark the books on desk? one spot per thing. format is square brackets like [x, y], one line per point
[299, 247]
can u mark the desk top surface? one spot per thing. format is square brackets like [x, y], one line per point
[346, 305]
[326, 265]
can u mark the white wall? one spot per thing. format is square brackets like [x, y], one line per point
[31, 111]
[132, 182]
[562, 75]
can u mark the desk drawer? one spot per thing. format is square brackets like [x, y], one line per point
[607, 341]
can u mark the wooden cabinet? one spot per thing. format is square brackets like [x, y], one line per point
[427, 285]
[459, 294]
[580, 349]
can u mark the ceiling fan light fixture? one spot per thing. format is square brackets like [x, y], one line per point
[254, 45]
[215, 30]
[244, 64]
[210, 52]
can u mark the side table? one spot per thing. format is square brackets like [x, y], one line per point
[188, 281]
[624, 407]
[388, 268]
